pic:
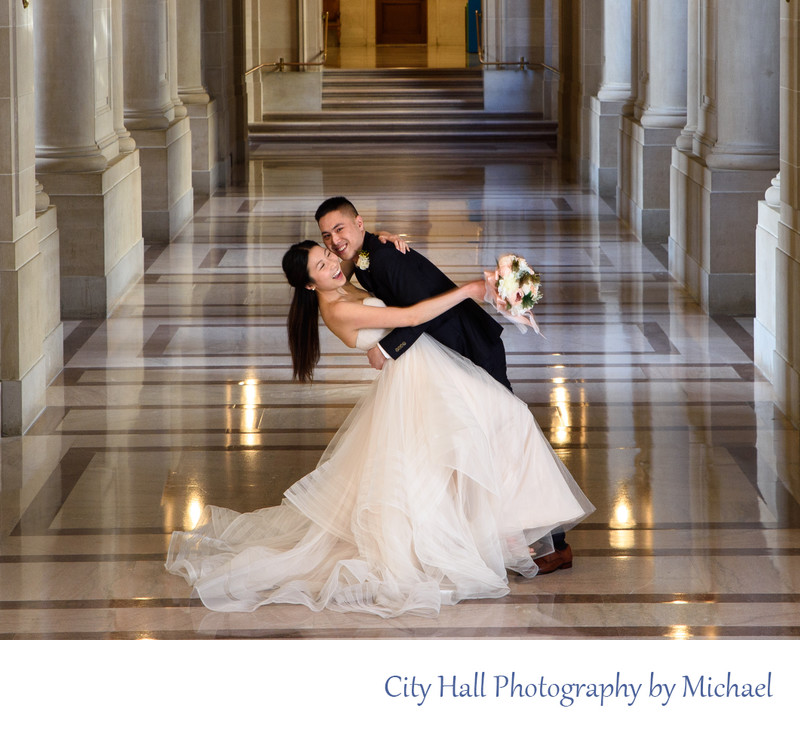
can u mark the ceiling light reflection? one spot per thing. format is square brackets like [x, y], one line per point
[193, 512]
[679, 632]
[622, 516]
[622, 539]
[562, 421]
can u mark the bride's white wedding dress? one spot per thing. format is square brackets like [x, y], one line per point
[433, 488]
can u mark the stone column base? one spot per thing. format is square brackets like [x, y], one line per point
[23, 305]
[786, 359]
[203, 124]
[603, 158]
[99, 221]
[643, 179]
[713, 222]
[23, 400]
[53, 346]
[786, 383]
[764, 323]
[167, 195]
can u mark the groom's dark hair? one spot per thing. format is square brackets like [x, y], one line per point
[332, 204]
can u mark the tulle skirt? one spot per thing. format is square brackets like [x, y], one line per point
[434, 487]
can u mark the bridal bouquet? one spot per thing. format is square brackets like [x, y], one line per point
[514, 288]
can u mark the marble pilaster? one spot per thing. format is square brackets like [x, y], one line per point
[717, 184]
[24, 302]
[93, 181]
[252, 51]
[615, 89]
[217, 54]
[767, 244]
[648, 132]
[194, 95]
[160, 127]
[223, 41]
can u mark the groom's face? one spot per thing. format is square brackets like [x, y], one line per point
[342, 233]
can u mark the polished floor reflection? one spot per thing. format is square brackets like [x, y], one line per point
[184, 397]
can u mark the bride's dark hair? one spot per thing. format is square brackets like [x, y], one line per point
[303, 323]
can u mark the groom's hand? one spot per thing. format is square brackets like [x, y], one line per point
[376, 358]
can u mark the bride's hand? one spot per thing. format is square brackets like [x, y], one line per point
[476, 289]
[399, 242]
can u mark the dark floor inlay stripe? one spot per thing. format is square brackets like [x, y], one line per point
[736, 333]
[78, 558]
[695, 551]
[675, 598]
[40, 514]
[157, 344]
[213, 258]
[655, 632]
[78, 338]
[780, 502]
[658, 339]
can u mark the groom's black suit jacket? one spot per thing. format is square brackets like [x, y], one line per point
[401, 280]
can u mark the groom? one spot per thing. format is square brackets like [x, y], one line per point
[401, 280]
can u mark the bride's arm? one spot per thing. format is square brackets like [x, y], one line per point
[345, 316]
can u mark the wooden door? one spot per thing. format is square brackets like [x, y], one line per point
[401, 21]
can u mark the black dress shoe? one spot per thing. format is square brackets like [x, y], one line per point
[553, 561]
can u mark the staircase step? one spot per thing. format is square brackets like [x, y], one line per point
[402, 105]
[428, 128]
[412, 116]
[398, 104]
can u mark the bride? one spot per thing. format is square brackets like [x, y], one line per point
[438, 482]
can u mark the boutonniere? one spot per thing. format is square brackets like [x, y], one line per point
[363, 260]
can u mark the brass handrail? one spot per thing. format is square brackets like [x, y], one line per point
[281, 65]
[522, 63]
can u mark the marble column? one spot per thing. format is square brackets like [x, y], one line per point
[659, 113]
[25, 305]
[686, 140]
[92, 180]
[786, 255]
[192, 91]
[124, 138]
[717, 184]
[160, 126]
[615, 89]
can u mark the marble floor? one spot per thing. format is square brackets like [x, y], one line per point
[183, 397]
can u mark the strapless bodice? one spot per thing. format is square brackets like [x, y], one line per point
[369, 337]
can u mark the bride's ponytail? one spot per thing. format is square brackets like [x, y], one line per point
[303, 322]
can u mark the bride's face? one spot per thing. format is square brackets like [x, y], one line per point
[324, 269]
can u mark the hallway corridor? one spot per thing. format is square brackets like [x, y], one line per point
[184, 397]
